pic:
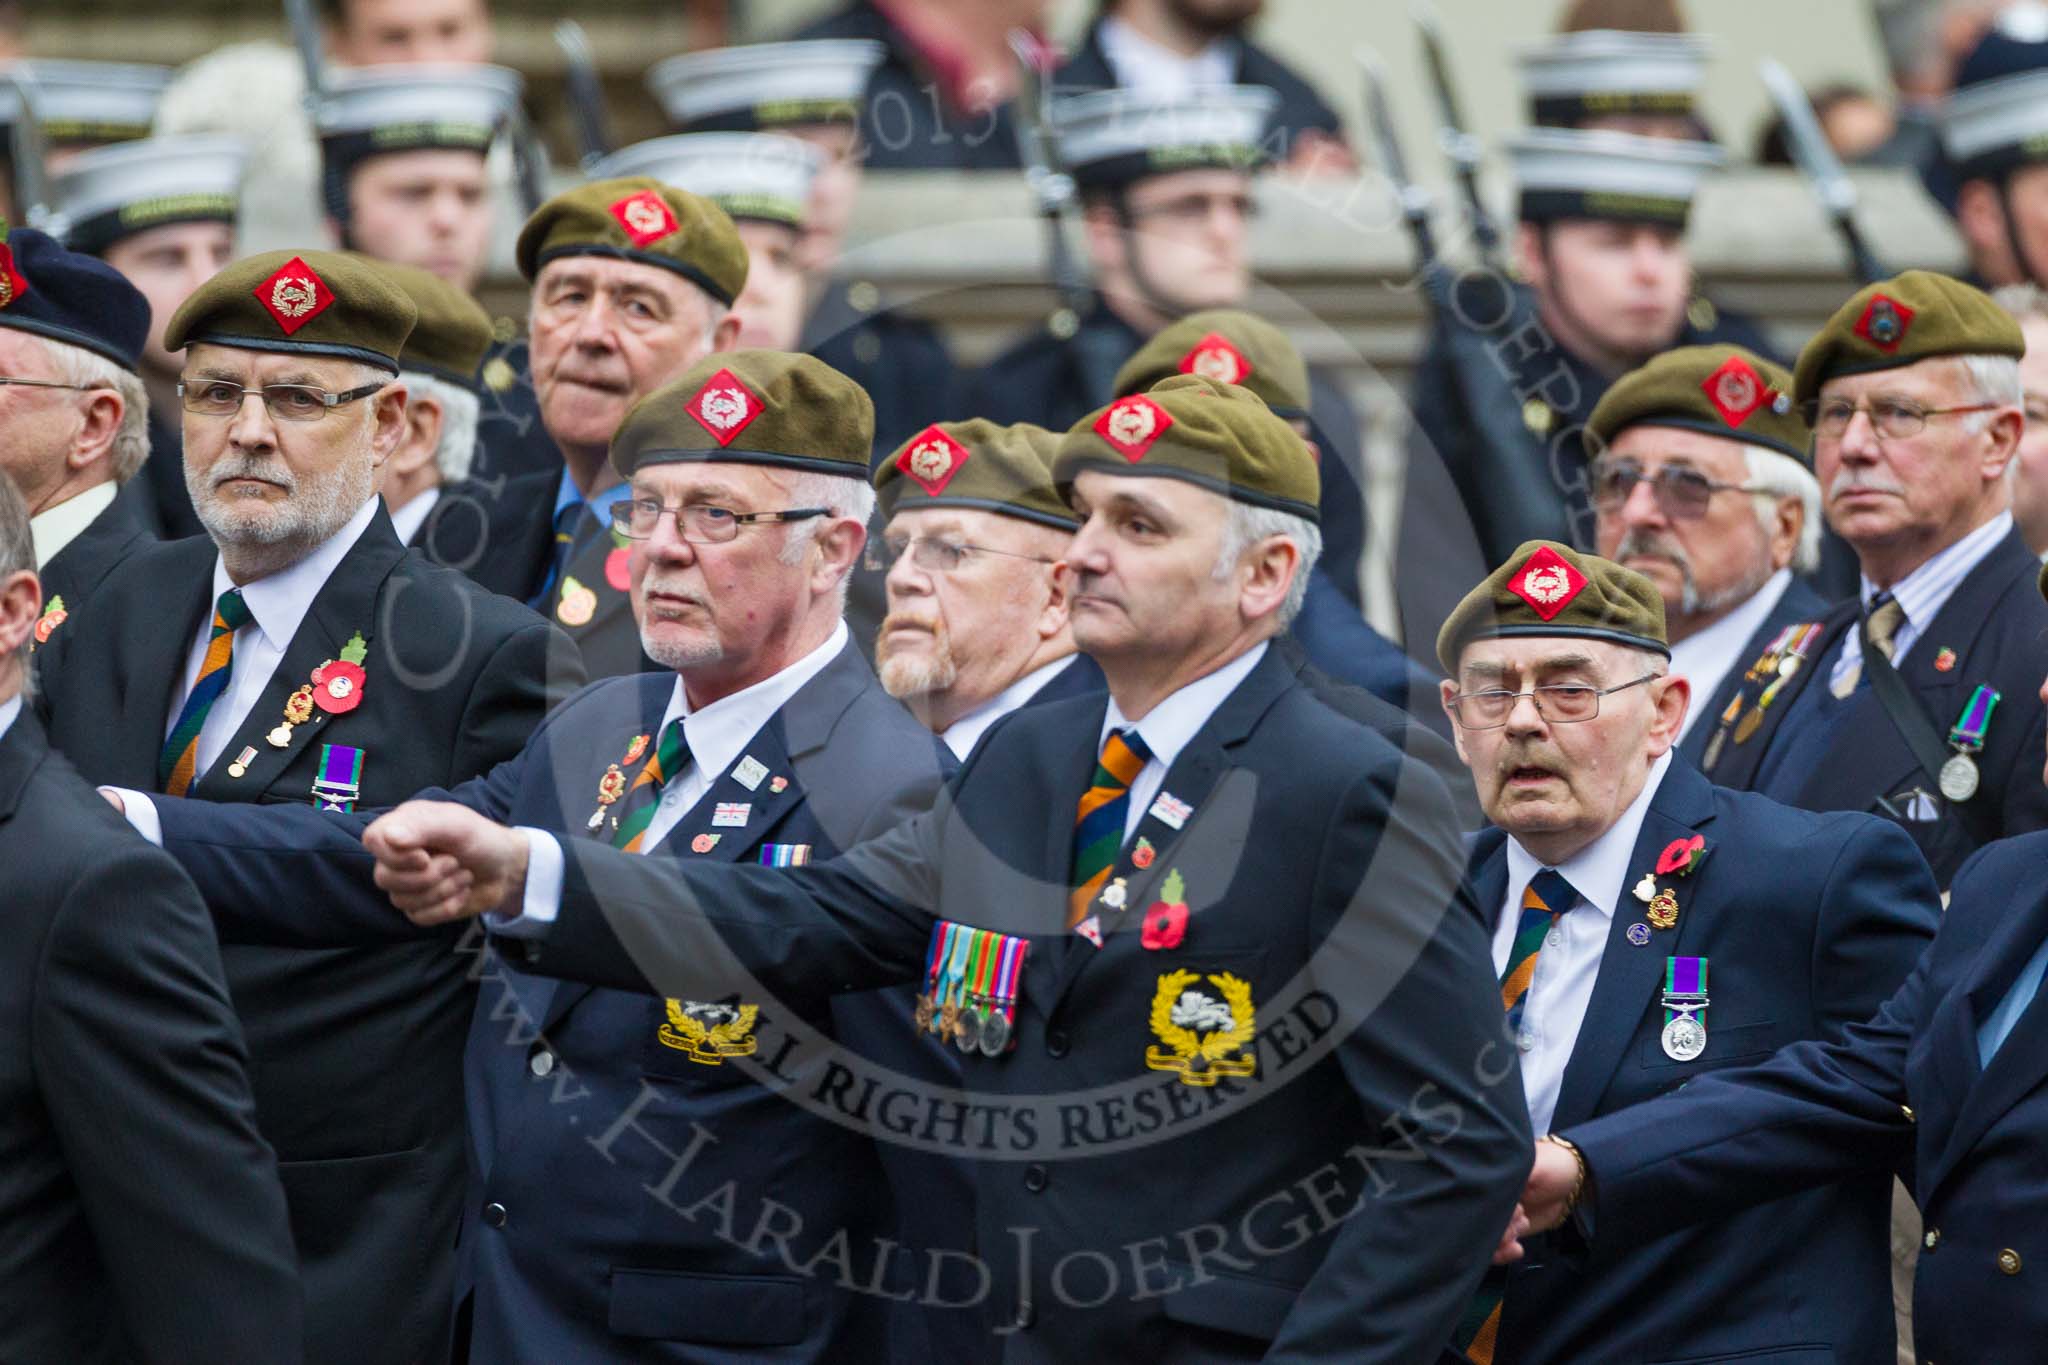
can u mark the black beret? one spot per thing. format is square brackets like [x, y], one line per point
[71, 297]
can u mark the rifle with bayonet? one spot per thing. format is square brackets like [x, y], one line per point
[306, 39]
[1459, 147]
[586, 94]
[26, 145]
[1816, 160]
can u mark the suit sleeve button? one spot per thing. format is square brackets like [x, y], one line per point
[1056, 1042]
[495, 1215]
[1036, 1178]
[2009, 1261]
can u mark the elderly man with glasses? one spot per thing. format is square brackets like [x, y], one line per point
[299, 655]
[1916, 700]
[1649, 928]
[1701, 485]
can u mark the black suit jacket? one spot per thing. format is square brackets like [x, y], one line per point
[1373, 1002]
[356, 1052]
[1996, 625]
[1905, 1090]
[143, 1213]
[496, 528]
[1808, 923]
[1796, 604]
[582, 1262]
[75, 572]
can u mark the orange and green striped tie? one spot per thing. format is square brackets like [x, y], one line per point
[1100, 817]
[178, 763]
[1548, 897]
[643, 798]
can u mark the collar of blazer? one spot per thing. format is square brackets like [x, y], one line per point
[22, 750]
[345, 605]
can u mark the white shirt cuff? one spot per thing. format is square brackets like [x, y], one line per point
[543, 898]
[141, 813]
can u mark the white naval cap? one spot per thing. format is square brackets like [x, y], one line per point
[1581, 173]
[106, 193]
[407, 107]
[1599, 72]
[1116, 136]
[766, 85]
[1993, 126]
[761, 176]
[84, 101]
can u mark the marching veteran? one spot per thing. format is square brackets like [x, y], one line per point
[1209, 1021]
[1647, 929]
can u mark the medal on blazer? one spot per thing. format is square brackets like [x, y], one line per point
[298, 709]
[1678, 859]
[1685, 1008]
[242, 759]
[1959, 778]
[972, 982]
[610, 788]
[1207, 1025]
[338, 784]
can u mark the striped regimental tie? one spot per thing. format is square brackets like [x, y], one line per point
[1100, 816]
[643, 798]
[178, 763]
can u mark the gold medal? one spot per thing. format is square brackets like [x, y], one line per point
[298, 708]
[1663, 911]
[280, 737]
[1746, 728]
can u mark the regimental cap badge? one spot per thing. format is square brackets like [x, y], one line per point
[724, 406]
[12, 284]
[932, 459]
[644, 216]
[1132, 425]
[294, 295]
[1547, 583]
[1884, 322]
[1213, 357]
[1736, 390]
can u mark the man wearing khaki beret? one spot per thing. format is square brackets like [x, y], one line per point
[300, 654]
[1209, 1003]
[1914, 701]
[1701, 483]
[1647, 928]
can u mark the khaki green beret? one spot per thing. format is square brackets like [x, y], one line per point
[1720, 390]
[453, 331]
[310, 302]
[752, 407]
[1550, 589]
[1226, 344]
[639, 219]
[1910, 317]
[976, 464]
[1219, 436]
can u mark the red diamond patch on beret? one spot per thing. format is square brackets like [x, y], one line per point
[645, 216]
[1213, 357]
[1132, 425]
[932, 459]
[1547, 583]
[12, 283]
[294, 295]
[1884, 323]
[724, 406]
[1736, 390]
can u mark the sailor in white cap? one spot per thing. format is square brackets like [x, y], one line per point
[1643, 83]
[1995, 130]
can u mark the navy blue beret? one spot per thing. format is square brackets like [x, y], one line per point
[72, 297]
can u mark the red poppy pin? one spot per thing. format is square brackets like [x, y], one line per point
[1681, 856]
[338, 683]
[1166, 919]
[618, 569]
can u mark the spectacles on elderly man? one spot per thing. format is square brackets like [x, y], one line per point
[1894, 419]
[1682, 494]
[285, 402]
[1558, 703]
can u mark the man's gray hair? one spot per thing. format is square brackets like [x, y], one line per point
[845, 495]
[2026, 302]
[17, 553]
[1992, 379]
[459, 412]
[91, 370]
[1781, 476]
[1247, 525]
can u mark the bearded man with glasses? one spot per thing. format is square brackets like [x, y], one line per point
[1916, 700]
[299, 655]
[1701, 485]
[1648, 928]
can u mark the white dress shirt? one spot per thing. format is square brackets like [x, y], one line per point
[1706, 658]
[1141, 64]
[1923, 593]
[408, 519]
[962, 735]
[1167, 727]
[9, 709]
[1569, 962]
[716, 735]
[277, 605]
[53, 530]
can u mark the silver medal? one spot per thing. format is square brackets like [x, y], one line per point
[967, 1030]
[1685, 1038]
[1959, 778]
[995, 1034]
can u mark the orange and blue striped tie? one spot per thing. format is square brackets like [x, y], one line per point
[178, 763]
[643, 798]
[1100, 817]
[1548, 897]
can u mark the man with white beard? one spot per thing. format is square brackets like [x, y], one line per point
[300, 656]
[974, 544]
[1702, 485]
